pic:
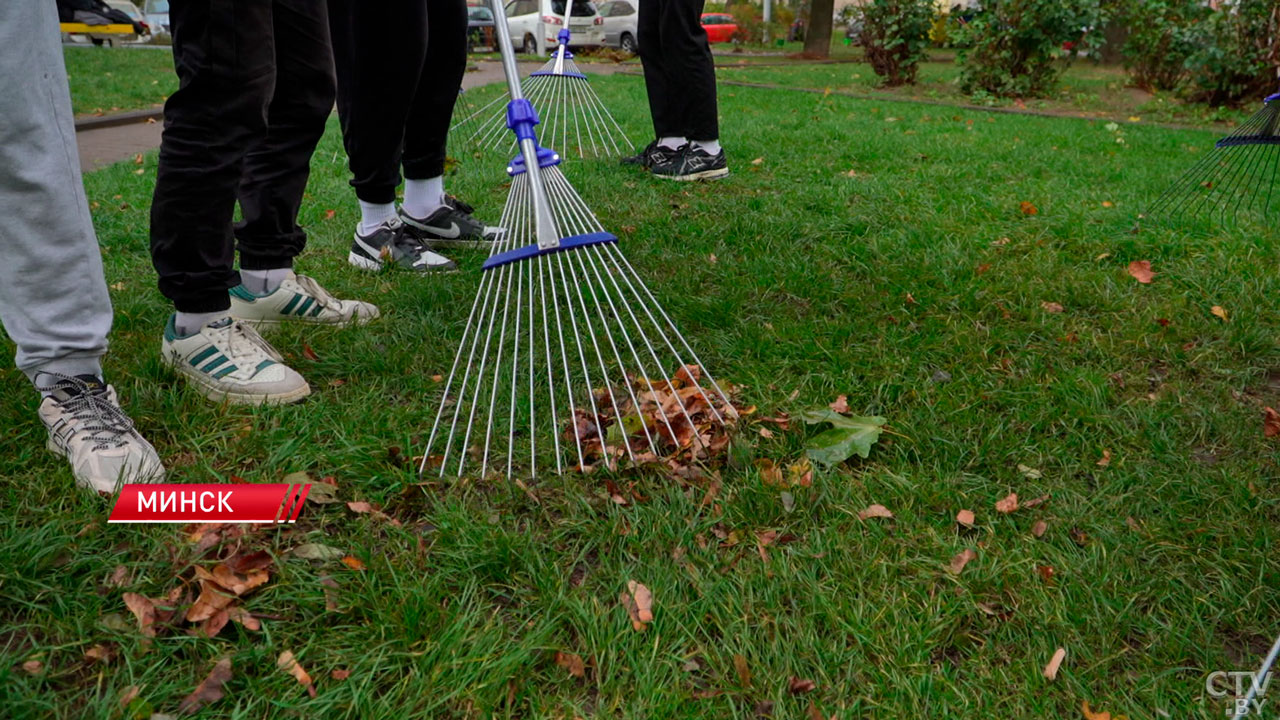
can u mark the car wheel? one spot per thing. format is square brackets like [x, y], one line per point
[530, 45]
[628, 44]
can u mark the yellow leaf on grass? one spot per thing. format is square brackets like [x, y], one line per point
[353, 562]
[288, 663]
[1219, 312]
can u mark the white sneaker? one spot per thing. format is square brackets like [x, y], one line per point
[228, 360]
[298, 298]
[88, 428]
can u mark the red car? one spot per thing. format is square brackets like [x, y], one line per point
[720, 27]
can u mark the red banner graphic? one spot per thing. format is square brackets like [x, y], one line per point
[244, 503]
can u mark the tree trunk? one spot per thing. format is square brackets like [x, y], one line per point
[817, 37]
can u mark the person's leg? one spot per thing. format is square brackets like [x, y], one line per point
[663, 95]
[53, 296]
[277, 166]
[224, 54]
[689, 57]
[426, 212]
[379, 49]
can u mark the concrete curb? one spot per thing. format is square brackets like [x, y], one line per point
[94, 122]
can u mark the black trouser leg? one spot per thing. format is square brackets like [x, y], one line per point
[688, 58]
[427, 132]
[225, 59]
[657, 73]
[379, 48]
[278, 165]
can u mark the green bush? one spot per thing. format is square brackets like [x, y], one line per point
[895, 37]
[1014, 48]
[1163, 34]
[1238, 60]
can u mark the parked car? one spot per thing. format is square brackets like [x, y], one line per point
[122, 10]
[156, 13]
[620, 24]
[534, 24]
[480, 33]
[720, 27]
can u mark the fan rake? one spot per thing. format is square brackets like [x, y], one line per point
[565, 341]
[1238, 174]
[573, 117]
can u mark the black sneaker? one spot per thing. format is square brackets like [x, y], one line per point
[457, 204]
[391, 244]
[653, 155]
[693, 164]
[449, 227]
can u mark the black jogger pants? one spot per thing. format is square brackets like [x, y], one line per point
[255, 89]
[399, 65]
[679, 72]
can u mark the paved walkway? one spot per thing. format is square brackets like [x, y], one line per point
[103, 146]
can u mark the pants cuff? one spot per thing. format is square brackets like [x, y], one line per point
[65, 366]
[378, 195]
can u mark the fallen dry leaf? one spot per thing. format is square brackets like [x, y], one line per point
[766, 433]
[118, 578]
[1270, 422]
[639, 604]
[1039, 528]
[1051, 307]
[965, 518]
[744, 672]
[1027, 208]
[33, 667]
[288, 663]
[1051, 670]
[209, 690]
[1046, 572]
[143, 609]
[128, 695]
[757, 161]
[1105, 460]
[961, 559]
[572, 663]
[1107, 204]
[875, 511]
[352, 562]
[799, 686]
[341, 674]
[1219, 312]
[1141, 271]
[1091, 715]
[1008, 505]
[841, 404]
[98, 653]
[243, 618]
[328, 214]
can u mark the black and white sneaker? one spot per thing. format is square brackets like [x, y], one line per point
[653, 155]
[391, 245]
[693, 164]
[451, 226]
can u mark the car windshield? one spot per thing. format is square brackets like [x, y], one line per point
[480, 13]
[581, 8]
[157, 6]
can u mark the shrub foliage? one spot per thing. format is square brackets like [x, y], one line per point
[895, 37]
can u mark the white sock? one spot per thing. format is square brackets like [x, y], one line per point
[672, 143]
[423, 197]
[190, 323]
[374, 214]
[263, 282]
[711, 147]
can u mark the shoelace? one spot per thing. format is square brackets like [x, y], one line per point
[105, 423]
[245, 342]
[322, 296]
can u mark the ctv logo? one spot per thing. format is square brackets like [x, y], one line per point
[1235, 684]
[267, 503]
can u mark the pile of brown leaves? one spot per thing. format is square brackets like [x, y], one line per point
[687, 420]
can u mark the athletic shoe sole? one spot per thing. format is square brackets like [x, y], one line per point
[431, 242]
[209, 390]
[704, 175]
[272, 323]
[370, 265]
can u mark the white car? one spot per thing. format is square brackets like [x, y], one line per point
[620, 24]
[156, 13]
[534, 25]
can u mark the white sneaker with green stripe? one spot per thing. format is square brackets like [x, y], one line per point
[228, 360]
[301, 299]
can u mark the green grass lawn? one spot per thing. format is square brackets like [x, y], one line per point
[875, 249]
[106, 80]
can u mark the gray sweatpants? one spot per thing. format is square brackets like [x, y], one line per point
[53, 297]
